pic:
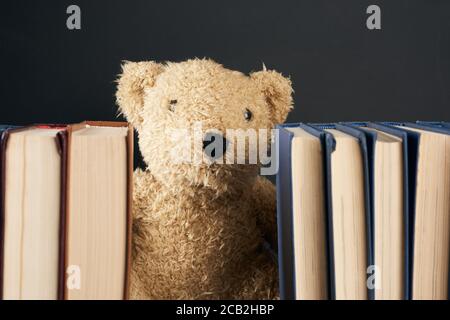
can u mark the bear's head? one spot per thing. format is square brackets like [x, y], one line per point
[171, 104]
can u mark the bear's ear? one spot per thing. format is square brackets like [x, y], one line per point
[277, 91]
[135, 77]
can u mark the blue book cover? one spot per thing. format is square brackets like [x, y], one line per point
[284, 200]
[408, 143]
[440, 124]
[285, 209]
[367, 138]
[286, 263]
[329, 149]
[436, 127]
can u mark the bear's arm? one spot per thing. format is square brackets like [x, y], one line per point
[264, 201]
[143, 197]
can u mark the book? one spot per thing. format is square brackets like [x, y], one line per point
[97, 210]
[332, 202]
[31, 213]
[286, 264]
[388, 188]
[387, 209]
[66, 214]
[349, 213]
[307, 214]
[441, 124]
[431, 212]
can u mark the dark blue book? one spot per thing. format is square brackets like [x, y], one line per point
[439, 124]
[302, 217]
[406, 164]
[349, 211]
[388, 155]
[429, 175]
[344, 281]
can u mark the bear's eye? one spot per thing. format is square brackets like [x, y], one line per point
[248, 115]
[172, 104]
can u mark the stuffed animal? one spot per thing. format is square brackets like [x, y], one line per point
[199, 229]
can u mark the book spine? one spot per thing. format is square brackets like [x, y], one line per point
[285, 217]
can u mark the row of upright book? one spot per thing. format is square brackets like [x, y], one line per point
[364, 210]
[65, 211]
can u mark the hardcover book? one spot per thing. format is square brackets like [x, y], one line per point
[31, 187]
[382, 191]
[387, 150]
[430, 214]
[302, 219]
[349, 214]
[66, 211]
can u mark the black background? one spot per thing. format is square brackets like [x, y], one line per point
[341, 70]
[167, 309]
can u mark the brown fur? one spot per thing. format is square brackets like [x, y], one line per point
[199, 229]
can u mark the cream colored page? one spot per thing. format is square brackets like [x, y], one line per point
[348, 219]
[432, 219]
[32, 218]
[389, 223]
[97, 216]
[14, 183]
[309, 219]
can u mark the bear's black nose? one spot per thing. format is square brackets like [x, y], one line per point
[214, 145]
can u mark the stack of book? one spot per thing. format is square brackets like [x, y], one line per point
[65, 211]
[364, 210]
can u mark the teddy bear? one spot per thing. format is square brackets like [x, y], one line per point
[200, 230]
